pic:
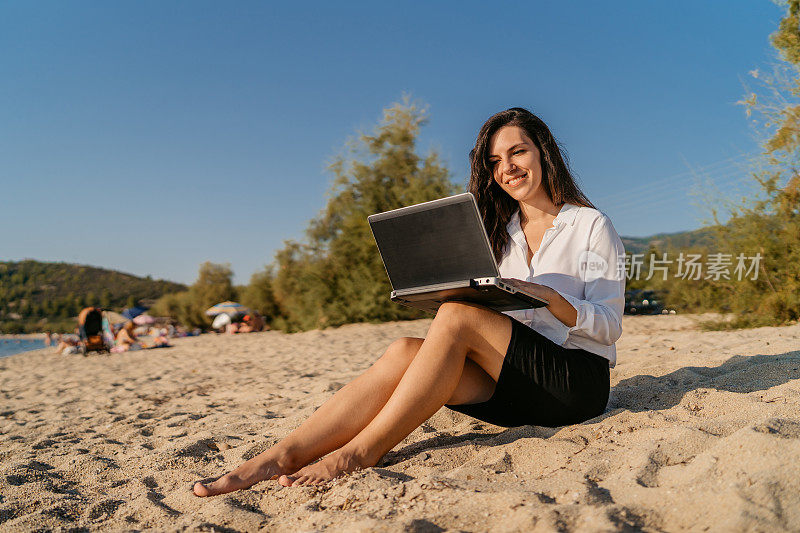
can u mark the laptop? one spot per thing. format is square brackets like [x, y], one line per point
[438, 251]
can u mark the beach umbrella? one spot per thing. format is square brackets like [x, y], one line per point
[144, 320]
[230, 308]
[133, 312]
[221, 320]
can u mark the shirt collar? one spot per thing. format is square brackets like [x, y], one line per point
[566, 215]
[515, 230]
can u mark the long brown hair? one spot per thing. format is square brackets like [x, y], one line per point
[495, 205]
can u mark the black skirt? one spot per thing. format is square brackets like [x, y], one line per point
[543, 384]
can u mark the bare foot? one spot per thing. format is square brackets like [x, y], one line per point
[257, 469]
[334, 465]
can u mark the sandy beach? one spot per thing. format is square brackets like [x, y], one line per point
[702, 433]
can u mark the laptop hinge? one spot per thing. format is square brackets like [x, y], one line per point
[431, 288]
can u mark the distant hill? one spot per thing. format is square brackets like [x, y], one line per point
[35, 295]
[683, 239]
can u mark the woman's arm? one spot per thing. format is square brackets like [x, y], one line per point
[598, 315]
[124, 338]
[558, 306]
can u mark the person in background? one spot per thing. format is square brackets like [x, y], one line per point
[159, 336]
[244, 326]
[67, 345]
[251, 323]
[108, 331]
[126, 339]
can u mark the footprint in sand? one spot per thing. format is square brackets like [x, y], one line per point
[780, 427]
[503, 465]
[45, 443]
[104, 510]
[201, 449]
[648, 474]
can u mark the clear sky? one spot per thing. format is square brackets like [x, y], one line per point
[151, 136]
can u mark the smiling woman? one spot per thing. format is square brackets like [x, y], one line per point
[547, 366]
[515, 146]
[514, 158]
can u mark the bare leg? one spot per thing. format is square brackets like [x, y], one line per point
[459, 333]
[342, 417]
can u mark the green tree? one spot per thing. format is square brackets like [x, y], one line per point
[337, 276]
[65, 309]
[214, 285]
[260, 296]
[179, 306]
[105, 298]
[768, 224]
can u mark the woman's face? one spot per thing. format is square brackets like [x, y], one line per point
[515, 163]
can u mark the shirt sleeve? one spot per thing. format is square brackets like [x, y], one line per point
[603, 271]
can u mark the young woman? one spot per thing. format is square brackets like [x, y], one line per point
[548, 366]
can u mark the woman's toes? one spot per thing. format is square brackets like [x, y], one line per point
[221, 486]
[201, 490]
[209, 489]
[304, 480]
[295, 480]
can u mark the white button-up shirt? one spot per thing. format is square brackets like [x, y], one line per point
[582, 257]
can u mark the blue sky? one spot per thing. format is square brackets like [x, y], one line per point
[151, 136]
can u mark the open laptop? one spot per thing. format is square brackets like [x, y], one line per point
[438, 251]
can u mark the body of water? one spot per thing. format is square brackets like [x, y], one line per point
[12, 346]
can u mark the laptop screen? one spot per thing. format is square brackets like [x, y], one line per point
[434, 242]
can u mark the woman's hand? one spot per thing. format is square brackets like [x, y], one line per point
[540, 291]
[558, 306]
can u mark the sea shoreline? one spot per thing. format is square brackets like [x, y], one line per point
[13, 336]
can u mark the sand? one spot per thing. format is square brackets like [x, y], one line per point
[702, 432]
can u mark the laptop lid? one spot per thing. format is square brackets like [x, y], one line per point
[434, 242]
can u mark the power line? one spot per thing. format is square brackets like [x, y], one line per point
[667, 183]
[642, 204]
[626, 199]
[713, 180]
[729, 162]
